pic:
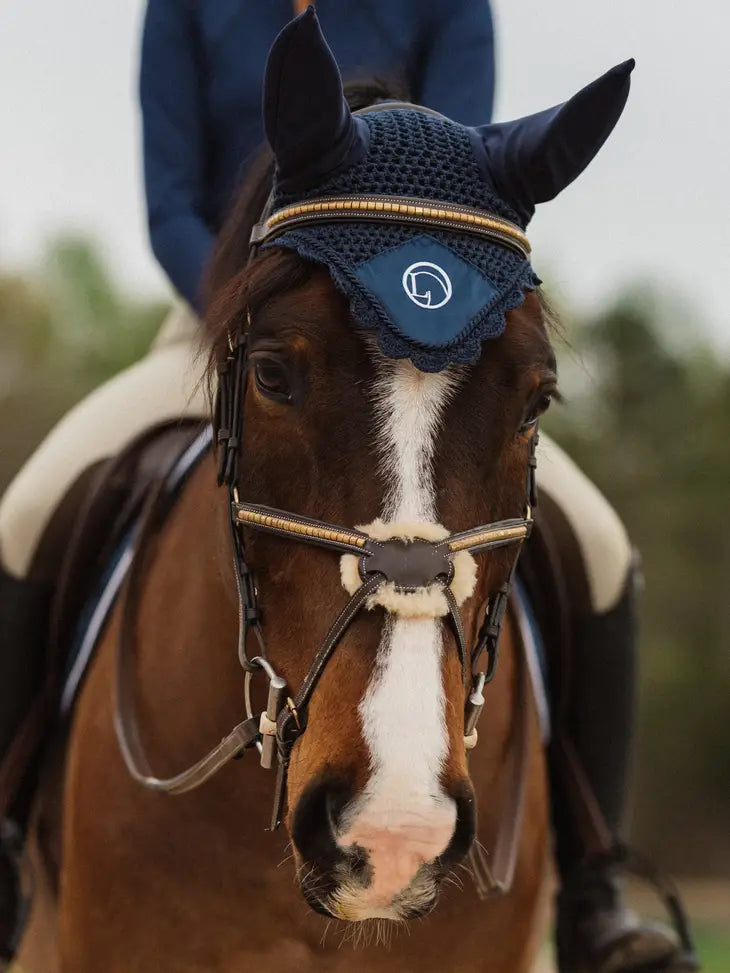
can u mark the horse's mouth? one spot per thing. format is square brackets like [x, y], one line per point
[350, 899]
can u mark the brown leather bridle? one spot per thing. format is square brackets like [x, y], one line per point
[408, 565]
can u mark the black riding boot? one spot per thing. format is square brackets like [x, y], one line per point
[595, 932]
[24, 608]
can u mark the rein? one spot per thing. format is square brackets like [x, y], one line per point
[406, 564]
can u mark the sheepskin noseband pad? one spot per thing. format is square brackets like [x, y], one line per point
[416, 572]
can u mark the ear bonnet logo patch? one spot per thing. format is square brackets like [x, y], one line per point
[428, 292]
[427, 285]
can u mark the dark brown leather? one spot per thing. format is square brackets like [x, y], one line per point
[156, 508]
[408, 564]
[324, 654]
[494, 875]
[114, 499]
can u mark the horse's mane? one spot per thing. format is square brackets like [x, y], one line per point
[232, 286]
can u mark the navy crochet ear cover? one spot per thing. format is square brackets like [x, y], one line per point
[433, 296]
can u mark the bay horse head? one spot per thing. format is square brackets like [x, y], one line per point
[361, 433]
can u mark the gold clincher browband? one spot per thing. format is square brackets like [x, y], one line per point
[409, 210]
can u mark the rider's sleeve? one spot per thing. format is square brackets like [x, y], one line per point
[174, 144]
[455, 74]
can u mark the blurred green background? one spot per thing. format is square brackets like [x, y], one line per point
[646, 414]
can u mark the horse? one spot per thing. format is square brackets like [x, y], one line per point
[191, 883]
[344, 468]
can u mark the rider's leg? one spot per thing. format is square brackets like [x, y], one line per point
[596, 721]
[163, 386]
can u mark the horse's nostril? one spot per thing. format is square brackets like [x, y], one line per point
[357, 859]
[465, 828]
[315, 821]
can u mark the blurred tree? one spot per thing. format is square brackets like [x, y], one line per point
[98, 329]
[62, 332]
[650, 426]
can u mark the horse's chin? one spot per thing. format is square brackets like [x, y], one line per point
[396, 912]
[351, 901]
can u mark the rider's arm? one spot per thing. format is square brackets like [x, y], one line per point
[455, 74]
[174, 144]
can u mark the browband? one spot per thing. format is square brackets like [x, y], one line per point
[426, 213]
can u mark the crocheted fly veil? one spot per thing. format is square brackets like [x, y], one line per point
[419, 220]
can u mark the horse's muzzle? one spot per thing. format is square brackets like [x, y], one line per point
[342, 880]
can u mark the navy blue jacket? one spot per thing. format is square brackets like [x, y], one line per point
[200, 86]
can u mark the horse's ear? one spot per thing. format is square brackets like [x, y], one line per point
[532, 159]
[307, 121]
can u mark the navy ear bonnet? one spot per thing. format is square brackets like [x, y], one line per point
[431, 297]
[430, 294]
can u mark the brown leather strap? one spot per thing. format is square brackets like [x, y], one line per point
[79, 530]
[291, 716]
[349, 540]
[495, 876]
[241, 736]
[109, 508]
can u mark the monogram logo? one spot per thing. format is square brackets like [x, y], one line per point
[427, 285]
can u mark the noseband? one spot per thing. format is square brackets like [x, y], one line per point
[406, 564]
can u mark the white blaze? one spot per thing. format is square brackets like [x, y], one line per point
[403, 817]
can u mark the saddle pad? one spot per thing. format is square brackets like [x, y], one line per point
[99, 605]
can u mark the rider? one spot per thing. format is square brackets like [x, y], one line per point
[201, 72]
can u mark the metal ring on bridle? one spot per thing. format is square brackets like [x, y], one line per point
[266, 745]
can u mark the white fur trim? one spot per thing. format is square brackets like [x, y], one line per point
[464, 580]
[379, 530]
[427, 601]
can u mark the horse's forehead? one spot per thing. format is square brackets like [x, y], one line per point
[319, 314]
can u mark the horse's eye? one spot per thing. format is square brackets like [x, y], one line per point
[272, 379]
[536, 409]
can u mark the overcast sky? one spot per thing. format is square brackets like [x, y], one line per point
[654, 203]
